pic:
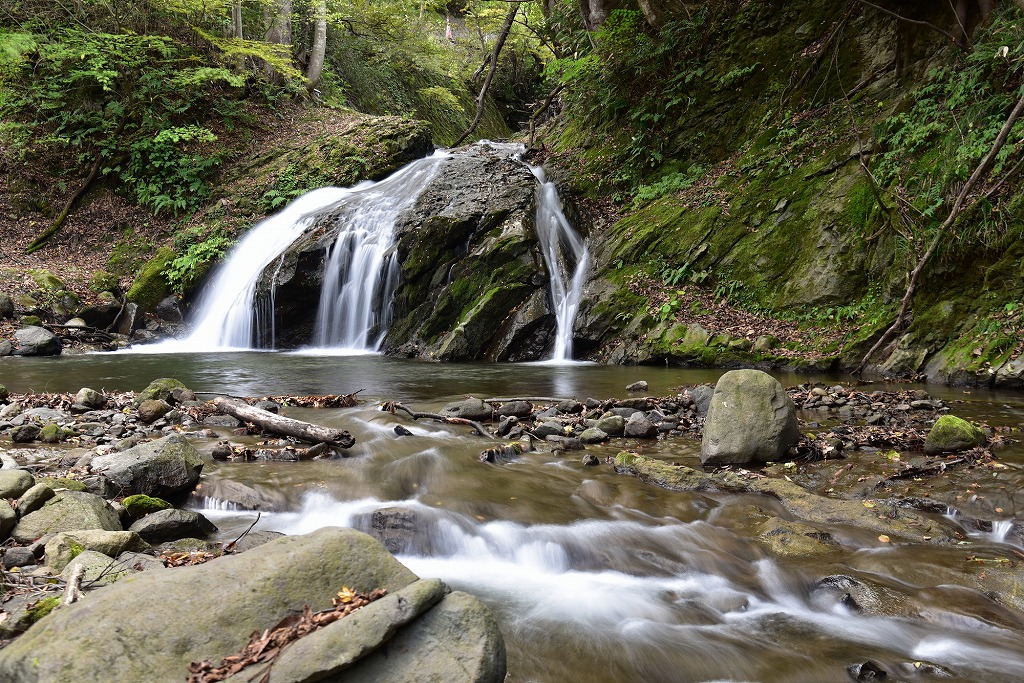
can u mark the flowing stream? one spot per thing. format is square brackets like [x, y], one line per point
[597, 576]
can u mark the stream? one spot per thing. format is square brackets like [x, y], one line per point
[596, 576]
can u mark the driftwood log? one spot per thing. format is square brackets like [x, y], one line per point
[285, 426]
[395, 406]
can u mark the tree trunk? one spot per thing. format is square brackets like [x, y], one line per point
[481, 99]
[319, 49]
[286, 426]
[279, 23]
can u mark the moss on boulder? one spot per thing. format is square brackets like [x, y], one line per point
[151, 286]
[140, 505]
[951, 434]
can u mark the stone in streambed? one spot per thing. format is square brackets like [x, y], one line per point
[34, 498]
[15, 482]
[25, 433]
[152, 410]
[593, 435]
[951, 434]
[67, 511]
[167, 468]
[171, 525]
[639, 427]
[750, 419]
[37, 341]
[469, 409]
[171, 622]
[68, 545]
[612, 425]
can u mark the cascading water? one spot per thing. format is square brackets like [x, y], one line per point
[359, 275]
[567, 258]
[362, 271]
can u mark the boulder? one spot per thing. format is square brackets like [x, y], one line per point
[951, 434]
[103, 569]
[165, 620]
[67, 511]
[159, 389]
[701, 395]
[8, 519]
[68, 545]
[639, 427]
[25, 433]
[140, 505]
[172, 524]
[37, 341]
[515, 409]
[750, 419]
[593, 435]
[5, 348]
[167, 468]
[4, 392]
[19, 556]
[639, 385]
[13, 483]
[612, 425]
[548, 428]
[469, 409]
[152, 410]
[90, 398]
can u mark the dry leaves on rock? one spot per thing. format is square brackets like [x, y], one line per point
[264, 646]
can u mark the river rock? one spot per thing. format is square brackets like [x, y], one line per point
[469, 409]
[612, 425]
[67, 511]
[65, 546]
[169, 309]
[593, 435]
[548, 428]
[42, 414]
[37, 341]
[25, 433]
[515, 409]
[951, 434]
[639, 427]
[167, 468]
[208, 611]
[19, 556]
[171, 525]
[230, 494]
[159, 389]
[152, 410]
[750, 419]
[4, 392]
[140, 505]
[639, 385]
[15, 482]
[90, 398]
[8, 519]
[395, 527]
[5, 348]
[255, 539]
[6, 306]
[34, 498]
[102, 569]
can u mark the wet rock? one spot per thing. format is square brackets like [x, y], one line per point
[750, 419]
[172, 524]
[402, 431]
[500, 455]
[52, 433]
[639, 385]
[169, 309]
[37, 341]
[101, 569]
[25, 433]
[639, 427]
[225, 421]
[569, 407]
[254, 539]
[66, 546]
[565, 443]
[90, 398]
[167, 468]
[67, 511]
[612, 425]
[590, 460]
[868, 671]
[8, 519]
[546, 429]
[15, 482]
[152, 410]
[469, 409]
[395, 527]
[5, 348]
[795, 539]
[505, 425]
[592, 404]
[593, 435]
[518, 409]
[701, 395]
[951, 434]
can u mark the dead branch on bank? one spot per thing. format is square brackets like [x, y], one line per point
[395, 406]
[955, 211]
[285, 426]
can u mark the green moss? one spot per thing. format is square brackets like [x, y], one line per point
[31, 320]
[51, 433]
[141, 505]
[150, 286]
[76, 549]
[56, 483]
[47, 281]
[41, 608]
[129, 253]
[103, 281]
[950, 434]
[159, 389]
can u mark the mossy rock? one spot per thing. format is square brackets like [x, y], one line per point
[141, 505]
[52, 433]
[150, 286]
[4, 393]
[951, 434]
[48, 282]
[41, 608]
[103, 281]
[31, 321]
[159, 390]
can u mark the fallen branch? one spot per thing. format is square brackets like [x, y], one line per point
[540, 110]
[73, 591]
[393, 406]
[528, 399]
[954, 213]
[40, 241]
[286, 426]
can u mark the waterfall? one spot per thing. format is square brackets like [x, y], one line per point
[567, 258]
[229, 315]
[361, 269]
[360, 272]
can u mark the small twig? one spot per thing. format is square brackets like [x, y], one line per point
[73, 591]
[392, 406]
[231, 546]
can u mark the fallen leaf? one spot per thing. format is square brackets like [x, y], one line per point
[883, 538]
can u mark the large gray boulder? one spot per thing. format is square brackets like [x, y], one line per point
[469, 409]
[37, 341]
[171, 525]
[150, 626]
[750, 419]
[15, 482]
[67, 511]
[167, 468]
